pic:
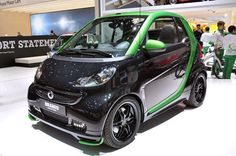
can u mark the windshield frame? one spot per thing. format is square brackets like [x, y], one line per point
[106, 18]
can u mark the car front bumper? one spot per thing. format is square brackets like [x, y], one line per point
[92, 131]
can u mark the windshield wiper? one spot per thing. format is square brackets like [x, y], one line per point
[74, 52]
[95, 51]
[89, 52]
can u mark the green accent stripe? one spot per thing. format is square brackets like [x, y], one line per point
[88, 143]
[31, 117]
[180, 90]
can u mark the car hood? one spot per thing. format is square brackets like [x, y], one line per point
[62, 72]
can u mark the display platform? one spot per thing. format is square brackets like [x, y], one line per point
[208, 130]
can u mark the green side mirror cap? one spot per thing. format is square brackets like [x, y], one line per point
[154, 45]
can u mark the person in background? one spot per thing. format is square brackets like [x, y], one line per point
[19, 34]
[218, 39]
[198, 32]
[52, 33]
[218, 42]
[229, 44]
[206, 38]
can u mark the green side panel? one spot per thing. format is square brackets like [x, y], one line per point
[180, 90]
[83, 142]
[154, 44]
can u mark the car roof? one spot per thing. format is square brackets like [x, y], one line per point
[157, 13]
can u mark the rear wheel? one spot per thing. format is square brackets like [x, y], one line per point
[198, 91]
[122, 123]
[217, 70]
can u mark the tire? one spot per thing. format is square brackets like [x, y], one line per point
[217, 70]
[173, 1]
[122, 123]
[198, 91]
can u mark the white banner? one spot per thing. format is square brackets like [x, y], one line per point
[15, 3]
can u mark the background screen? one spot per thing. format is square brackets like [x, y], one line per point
[61, 22]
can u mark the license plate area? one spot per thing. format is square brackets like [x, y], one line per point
[54, 108]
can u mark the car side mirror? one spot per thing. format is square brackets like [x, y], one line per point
[186, 40]
[155, 46]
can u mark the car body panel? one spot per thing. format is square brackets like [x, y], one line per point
[151, 80]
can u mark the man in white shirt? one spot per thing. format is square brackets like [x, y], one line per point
[218, 42]
[218, 39]
[206, 39]
[229, 44]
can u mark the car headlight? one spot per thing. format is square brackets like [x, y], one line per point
[39, 72]
[98, 79]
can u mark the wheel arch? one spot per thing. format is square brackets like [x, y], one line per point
[133, 95]
[204, 72]
[201, 71]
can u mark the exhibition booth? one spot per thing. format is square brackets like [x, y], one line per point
[117, 77]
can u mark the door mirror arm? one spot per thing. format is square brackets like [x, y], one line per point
[186, 41]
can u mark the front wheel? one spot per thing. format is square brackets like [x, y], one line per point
[122, 123]
[198, 91]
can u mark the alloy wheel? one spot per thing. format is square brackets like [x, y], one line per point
[124, 122]
[200, 90]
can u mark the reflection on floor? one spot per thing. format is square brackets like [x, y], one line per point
[206, 131]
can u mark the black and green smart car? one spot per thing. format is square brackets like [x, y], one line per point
[116, 73]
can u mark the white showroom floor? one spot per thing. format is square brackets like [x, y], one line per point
[207, 131]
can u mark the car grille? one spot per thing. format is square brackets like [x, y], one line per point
[58, 96]
[53, 116]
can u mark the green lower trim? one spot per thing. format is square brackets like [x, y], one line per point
[83, 142]
[31, 117]
[180, 90]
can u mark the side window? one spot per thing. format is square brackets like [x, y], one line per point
[164, 29]
[181, 30]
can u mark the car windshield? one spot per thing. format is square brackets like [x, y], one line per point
[60, 41]
[105, 37]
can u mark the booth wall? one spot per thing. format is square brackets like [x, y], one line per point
[13, 22]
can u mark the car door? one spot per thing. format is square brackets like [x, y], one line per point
[165, 68]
